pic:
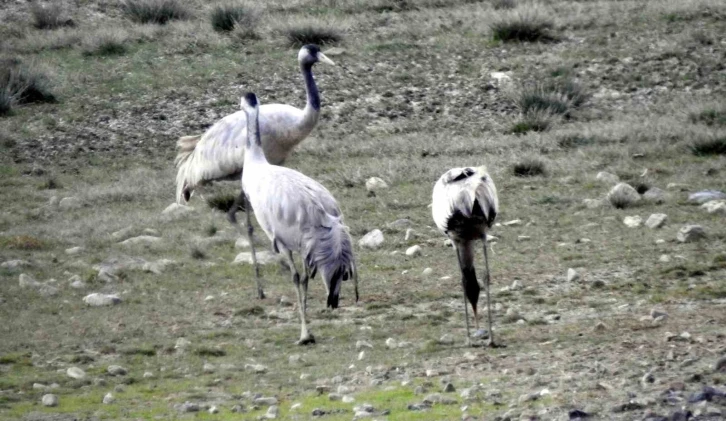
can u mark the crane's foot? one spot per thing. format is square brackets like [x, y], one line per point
[307, 340]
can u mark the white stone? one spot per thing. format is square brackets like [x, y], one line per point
[513, 222]
[141, 239]
[75, 373]
[242, 243]
[272, 412]
[607, 177]
[256, 368]
[500, 79]
[53, 201]
[572, 275]
[372, 240]
[655, 195]
[14, 264]
[413, 251]
[70, 202]
[348, 399]
[361, 355]
[97, 299]
[176, 209]
[213, 410]
[656, 220]
[264, 257]
[623, 195]
[410, 234]
[633, 221]
[363, 344]
[108, 398]
[116, 370]
[664, 258]
[50, 400]
[691, 233]
[122, 234]
[391, 343]
[706, 196]
[592, 203]
[428, 271]
[715, 206]
[28, 281]
[523, 238]
[74, 250]
[375, 184]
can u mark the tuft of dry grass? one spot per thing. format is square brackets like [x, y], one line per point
[156, 11]
[715, 145]
[712, 116]
[234, 17]
[529, 167]
[557, 95]
[22, 83]
[504, 4]
[524, 24]
[309, 33]
[537, 120]
[222, 202]
[106, 42]
[49, 16]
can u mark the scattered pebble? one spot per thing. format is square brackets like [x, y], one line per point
[116, 370]
[372, 240]
[413, 251]
[633, 221]
[623, 195]
[108, 398]
[375, 185]
[656, 220]
[97, 299]
[691, 233]
[572, 275]
[49, 400]
[75, 373]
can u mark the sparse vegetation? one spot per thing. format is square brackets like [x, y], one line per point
[536, 120]
[197, 253]
[524, 24]
[529, 167]
[709, 116]
[223, 202]
[310, 33]
[504, 4]
[22, 83]
[22, 242]
[49, 15]
[557, 95]
[107, 42]
[211, 230]
[155, 11]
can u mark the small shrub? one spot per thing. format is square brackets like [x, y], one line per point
[709, 117]
[223, 202]
[304, 34]
[533, 121]
[51, 184]
[529, 167]
[211, 230]
[22, 83]
[226, 18]
[528, 24]
[108, 42]
[197, 253]
[504, 4]
[556, 96]
[155, 11]
[210, 352]
[250, 311]
[143, 350]
[712, 146]
[49, 16]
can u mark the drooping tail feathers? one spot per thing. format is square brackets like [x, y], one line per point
[330, 250]
[186, 146]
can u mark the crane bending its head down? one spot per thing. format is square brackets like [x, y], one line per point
[218, 154]
[464, 206]
[299, 215]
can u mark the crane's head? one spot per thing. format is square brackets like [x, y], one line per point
[310, 54]
[249, 101]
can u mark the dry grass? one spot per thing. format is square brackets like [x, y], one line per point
[156, 11]
[529, 167]
[49, 15]
[106, 42]
[715, 145]
[22, 83]
[528, 23]
[312, 33]
[229, 17]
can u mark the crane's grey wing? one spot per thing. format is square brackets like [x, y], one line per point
[486, 197]
[466, 192]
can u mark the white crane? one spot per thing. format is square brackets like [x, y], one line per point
[464, 206]
[218, 154]
[299, 215]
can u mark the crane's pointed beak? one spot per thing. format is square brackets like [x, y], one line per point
[322, 57]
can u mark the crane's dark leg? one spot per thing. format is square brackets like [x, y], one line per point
[232, 212]
[490, 342]
[305, 336]
[305, 279]
[463, 286]
[250, 231]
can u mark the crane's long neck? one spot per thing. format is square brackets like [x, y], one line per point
[312, 108]
[254, 152]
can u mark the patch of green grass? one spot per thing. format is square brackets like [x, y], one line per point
[250, 311]
[23, 242]
[143, 350]
[299, 35]
[155, 11]
[710, 146]
[211, 230]
[21, 358]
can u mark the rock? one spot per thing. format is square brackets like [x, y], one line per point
[348, 399]
[363, 344]
[623, 195]
[209, 368]
[413, 251]
[391, 343]
[14, 264]
[49, 400]
[607, 178]
[27, 281]
[500, 79]
[656, 220]
[76, 282]
[256, 368]
[176, 209]
[264, 257]
[270, 400]
[437, 398]
[335, 396]
[632, 221]
[116, 370]
[706, 196]
[419, 390]
[74, 251]
[108, 398]
[449, 388]
[512, 223]
[372, 240]
[577, 414]
[272, 412]
[419, 406]
[523, 238]
[599, 327]
[361, 355]
[448, 243]
[572, 275]
[400, 224]
[631, 405]
[140, 240]
[647, 378]
[75, 373]
[410, 234]
[182, 343]
[427, 272]
[70, 202]
[148, 374]
[242, 243]
[706, 394]
[655, 195]
[97, 299]
[213, 410]
[122, 234]
[715, 206]
[335, 51]
[48, 290]
[720, 366]
[677, 186]
[375, 184]
[39, 386]
[656, 313]
[189, 407]
[691, 233]
[53, 201]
